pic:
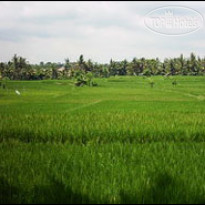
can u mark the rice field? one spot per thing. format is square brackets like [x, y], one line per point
[121, 142]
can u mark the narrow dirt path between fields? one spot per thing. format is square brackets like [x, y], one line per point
[86, 105]
[198, 97]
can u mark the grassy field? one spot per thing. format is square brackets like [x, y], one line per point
[120, 142]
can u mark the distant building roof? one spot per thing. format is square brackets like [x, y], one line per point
[61, 68]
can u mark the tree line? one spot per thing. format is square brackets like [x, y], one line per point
[18, 68]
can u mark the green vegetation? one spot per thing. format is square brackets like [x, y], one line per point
[128, 140]
[19, 69]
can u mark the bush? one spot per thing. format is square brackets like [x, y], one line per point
[5, 78]
[151, 82]
[174, 82]
[84, 79]
[147, 72]
[94, 84]
[80, 82]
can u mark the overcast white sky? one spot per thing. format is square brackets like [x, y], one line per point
[53, 31]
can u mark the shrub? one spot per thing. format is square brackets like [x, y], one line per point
[151, 82]
[147, 72]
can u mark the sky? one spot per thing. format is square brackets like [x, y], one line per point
[54, 31]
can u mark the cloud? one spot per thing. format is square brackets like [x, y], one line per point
[52, 31]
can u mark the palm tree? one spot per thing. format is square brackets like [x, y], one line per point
[54, 72]
[18, 64]
[15, 65]
[105, 71]
[123, 70]
[48, 73]
[153, 66]
[81, 62]
[89, 65]
[142, 65]
[112, 68]
[163, 69]
[193, 64]
[172, 67]
[203, 65]
[182, 65]
[67, 63]
[2, 69]
[9, 71]
[136, 66]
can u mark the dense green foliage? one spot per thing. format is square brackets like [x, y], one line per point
[129, 140]
[19, 69]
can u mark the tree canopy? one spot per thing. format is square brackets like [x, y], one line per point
[18, 68]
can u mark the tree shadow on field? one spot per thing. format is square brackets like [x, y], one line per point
[164, 189]
[54, 193]
[57, 193]
[8, 193]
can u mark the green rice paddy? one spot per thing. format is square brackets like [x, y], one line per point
[120, 142]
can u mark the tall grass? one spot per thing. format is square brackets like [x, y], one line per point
[121, 142]
[112, 173]
[101, 128]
